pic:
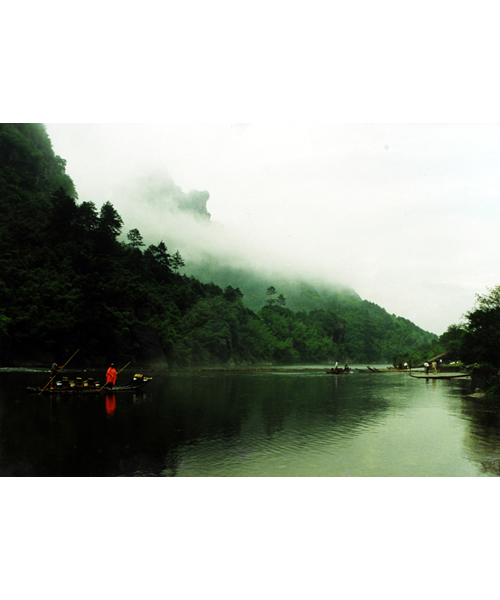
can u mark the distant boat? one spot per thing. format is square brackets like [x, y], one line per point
[387, 370]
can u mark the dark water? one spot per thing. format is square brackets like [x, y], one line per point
[300, 423]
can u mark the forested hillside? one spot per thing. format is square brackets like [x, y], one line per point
[70, 278]
[357, 328]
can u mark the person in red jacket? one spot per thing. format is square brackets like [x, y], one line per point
[111, 375]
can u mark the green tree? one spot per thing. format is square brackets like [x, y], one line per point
[177, 261]
[64, 213]
[271, 292]
[135, 239]
[280, 300]
[232, 294]
[88, 219]
[482, 330]
[110, 223]
[452, 340]
[159, 255]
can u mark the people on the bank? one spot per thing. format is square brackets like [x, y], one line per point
[426, 367]
[346, 366]
[111, 375]
[434, 367]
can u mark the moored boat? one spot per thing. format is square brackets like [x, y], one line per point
[385, 370]
[439, 375]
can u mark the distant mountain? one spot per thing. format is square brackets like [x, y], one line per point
[159, 191]
[70, 281]
[363, 330]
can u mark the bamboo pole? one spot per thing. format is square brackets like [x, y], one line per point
[433, 358]
[50, 380]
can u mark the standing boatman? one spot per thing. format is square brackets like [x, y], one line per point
[111, 375]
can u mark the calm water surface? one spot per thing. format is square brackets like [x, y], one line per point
[301, 423]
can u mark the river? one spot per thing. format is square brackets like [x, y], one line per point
[285, 423]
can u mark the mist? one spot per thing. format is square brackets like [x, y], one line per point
[162, 211]
[406, 215]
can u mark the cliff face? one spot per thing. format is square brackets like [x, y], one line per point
[159, 191]
[30, 173]
[196, 203]
[28, 163]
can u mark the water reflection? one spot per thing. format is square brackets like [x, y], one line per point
[483, 442]
[110, 404]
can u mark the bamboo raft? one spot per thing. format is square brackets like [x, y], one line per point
[439, 375]
[387, 370]
[79, 386]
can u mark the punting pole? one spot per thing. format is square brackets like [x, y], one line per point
[50, 380]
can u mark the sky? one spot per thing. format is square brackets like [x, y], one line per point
[406, 214]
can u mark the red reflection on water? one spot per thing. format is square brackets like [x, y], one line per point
[110, 404]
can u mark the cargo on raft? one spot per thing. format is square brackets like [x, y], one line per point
[88, 386]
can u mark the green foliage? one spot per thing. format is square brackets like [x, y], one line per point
[479, 339]
[452, 341]
[360, 331]
[135, 238]
[475, 342]
[4, 326]
[177, 261]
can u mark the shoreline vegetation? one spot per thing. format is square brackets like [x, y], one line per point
[71, 279]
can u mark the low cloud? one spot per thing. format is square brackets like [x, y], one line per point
[406, 215]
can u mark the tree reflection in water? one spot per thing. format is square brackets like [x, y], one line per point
[483, 415]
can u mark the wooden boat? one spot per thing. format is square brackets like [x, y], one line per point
[439, 375]
[89, 386]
